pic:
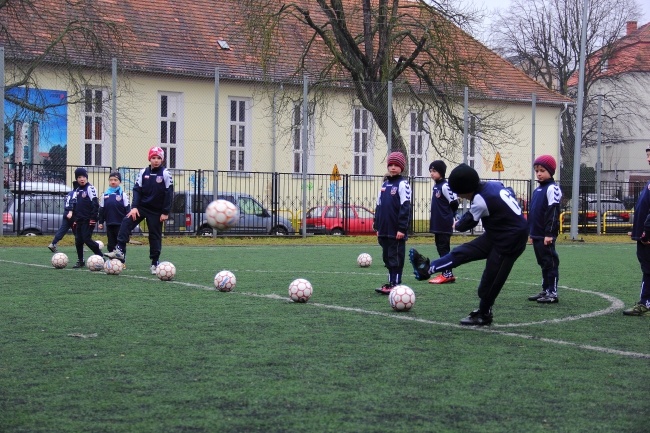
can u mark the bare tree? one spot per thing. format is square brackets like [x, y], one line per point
[544, 39]
[74, 41]
[366, 44]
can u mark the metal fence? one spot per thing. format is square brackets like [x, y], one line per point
[34, 200]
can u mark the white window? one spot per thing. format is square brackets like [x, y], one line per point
[94, 134]
[473, 142]
[296, 138]
[240, 134]
[362, 141]
[418, 139]
[171, 122]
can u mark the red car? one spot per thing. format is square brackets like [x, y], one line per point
[331, 220]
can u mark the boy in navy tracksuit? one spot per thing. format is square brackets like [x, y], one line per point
[67, 220]
[392, 220]
[85, 212]
[152, 200]
[444, 204]
[503, 241]
[115, 206]
[641, 234]
[544, 225]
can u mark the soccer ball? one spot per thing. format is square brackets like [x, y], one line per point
[364, 260]
[225, 281]
[401, 298]
[95, 263]
[300, 290]
[165, 271]
[100, 244]
[222, 215]
[113, 267]
[59, 260]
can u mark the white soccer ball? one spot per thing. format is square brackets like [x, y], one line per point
[59, 260]
[100, 244]
[364, 260]
[401, 298]
[95, 263]
[113, 267]
[225, 281]
[300, 290]
[222, 215]
[165, 271]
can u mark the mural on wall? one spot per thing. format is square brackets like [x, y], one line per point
[36, 130]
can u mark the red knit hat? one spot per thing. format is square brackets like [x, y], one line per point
[156, 151]
[398, 159]
[546, 161]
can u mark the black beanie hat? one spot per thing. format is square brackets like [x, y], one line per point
[115, 174]
[439, 166]
[463, 179]
[81, 172]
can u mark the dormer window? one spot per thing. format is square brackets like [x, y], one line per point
[223, 44]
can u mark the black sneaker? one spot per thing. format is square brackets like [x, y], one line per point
[420, 265]
[79, 264]
[385, 289]
[476, 318]
[548, 299]
[541, 294]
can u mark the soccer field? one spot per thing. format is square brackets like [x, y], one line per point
[85, 351]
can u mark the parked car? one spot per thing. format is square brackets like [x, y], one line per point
[331, 220]
[37, 214]
[188, 215]
[613, 213]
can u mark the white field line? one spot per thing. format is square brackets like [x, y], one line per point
[615, 304]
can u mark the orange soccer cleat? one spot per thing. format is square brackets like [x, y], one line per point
[441, 279]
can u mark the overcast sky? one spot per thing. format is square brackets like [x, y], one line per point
[494, 4]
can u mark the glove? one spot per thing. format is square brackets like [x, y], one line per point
[420, 265]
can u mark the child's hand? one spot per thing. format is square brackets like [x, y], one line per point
[101, 226]
[133, 213]
[548, 240]
[400, 235]
[163, 217]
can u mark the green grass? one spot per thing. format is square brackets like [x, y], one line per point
[179, 356]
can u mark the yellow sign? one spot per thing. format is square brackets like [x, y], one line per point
[498, 163]
[335, 173]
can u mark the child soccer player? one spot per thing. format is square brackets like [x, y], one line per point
[392, 220]
[641, 234]
[444, 204]
[152, 200]
[544, 225]
[115, 206]
[85, 216]
[504, 238]
[67, 220]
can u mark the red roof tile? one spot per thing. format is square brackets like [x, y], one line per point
[181, 38]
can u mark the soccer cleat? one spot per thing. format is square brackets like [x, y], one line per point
[637, 310]
[153, 269]
[548, 299]
[541, 294]
[79, 264]
[385, 289]
[53, 248]
[441, 279]
[476, 318]
[420, 265]
[115, 254]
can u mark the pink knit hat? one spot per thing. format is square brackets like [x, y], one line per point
[398, 159]
[156, 151]
[546, 161]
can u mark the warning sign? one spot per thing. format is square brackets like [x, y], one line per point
[498, 163]
[335, 173]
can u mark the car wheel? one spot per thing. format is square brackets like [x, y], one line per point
[279, 231]
[205, 232]
[31, 232]
[337, 232]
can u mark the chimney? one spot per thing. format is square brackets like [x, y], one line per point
[631, 27]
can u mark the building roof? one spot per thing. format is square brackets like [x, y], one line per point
[630, 54]
[182, 37]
